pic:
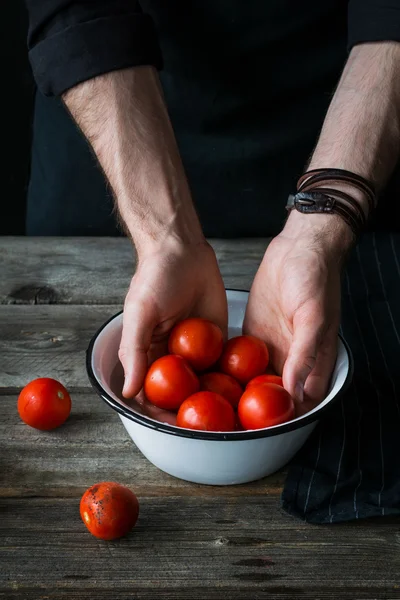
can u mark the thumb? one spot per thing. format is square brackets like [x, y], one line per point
[307, 335]
[138, 325]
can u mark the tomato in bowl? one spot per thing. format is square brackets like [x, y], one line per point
[206, 457]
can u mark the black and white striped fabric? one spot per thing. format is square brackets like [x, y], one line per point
[350, 467]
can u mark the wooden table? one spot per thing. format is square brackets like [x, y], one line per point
[191, 541]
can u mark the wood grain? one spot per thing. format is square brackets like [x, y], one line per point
[91, 446]
[97, 270]
[47, 341]
[183, 546]
[239, 591]
[191, 541]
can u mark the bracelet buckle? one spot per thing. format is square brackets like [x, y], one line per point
[311, 202]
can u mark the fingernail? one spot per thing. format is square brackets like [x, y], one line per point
[299, 391]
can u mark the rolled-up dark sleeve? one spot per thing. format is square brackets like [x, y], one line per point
[70, 42]
[373, 21]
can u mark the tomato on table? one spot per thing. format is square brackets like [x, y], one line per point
[199, 341]
[169, 381]
[206, 411]
[109, 510]
[44, 403]
[265, 405]
[222, 384]
[244, 357]
[266, 378]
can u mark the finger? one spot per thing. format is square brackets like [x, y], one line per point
[269, 326]
[214, 306]
[317, 383]
[307, 334]
[138, 325]
[159, 414]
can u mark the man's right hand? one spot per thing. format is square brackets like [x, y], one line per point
[172, 282]
[124, 117]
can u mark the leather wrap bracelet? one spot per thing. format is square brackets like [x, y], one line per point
[313, 196]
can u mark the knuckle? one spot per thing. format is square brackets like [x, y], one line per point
[309, 362]
[122, 353]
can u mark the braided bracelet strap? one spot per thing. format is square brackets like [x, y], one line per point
[312, 197]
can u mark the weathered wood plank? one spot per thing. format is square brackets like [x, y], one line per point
[183, 546]
[91, 446]
[239, 592]
[47, 341]
[46, 270]
[191, 541]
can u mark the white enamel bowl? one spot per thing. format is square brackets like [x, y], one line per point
[201, 456]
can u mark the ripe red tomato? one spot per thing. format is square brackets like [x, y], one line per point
[265, 405]
[169, 381]
[266, 378]
[244, 357]
[197, 340]
[206, 411]
[44, 403]
[109, 510]
[222, 384]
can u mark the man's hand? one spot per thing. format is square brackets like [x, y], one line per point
[171, 283]
[124, 117]
[295, 299]
[294, 303]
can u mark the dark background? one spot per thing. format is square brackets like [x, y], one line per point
[17, 103]
[17, 97]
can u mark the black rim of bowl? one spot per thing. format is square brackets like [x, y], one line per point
[210, 435]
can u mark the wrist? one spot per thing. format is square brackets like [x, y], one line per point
[171, 240]
[327, 232]
[177, 235]
[330, 209]
[166, 221]
[171, 244]
[356, 193]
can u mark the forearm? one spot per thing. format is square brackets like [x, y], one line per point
[360, 134]
[362, 127]
[123, 116]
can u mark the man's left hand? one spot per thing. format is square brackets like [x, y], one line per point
[294, 303]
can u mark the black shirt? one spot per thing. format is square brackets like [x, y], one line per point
[247, 83]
